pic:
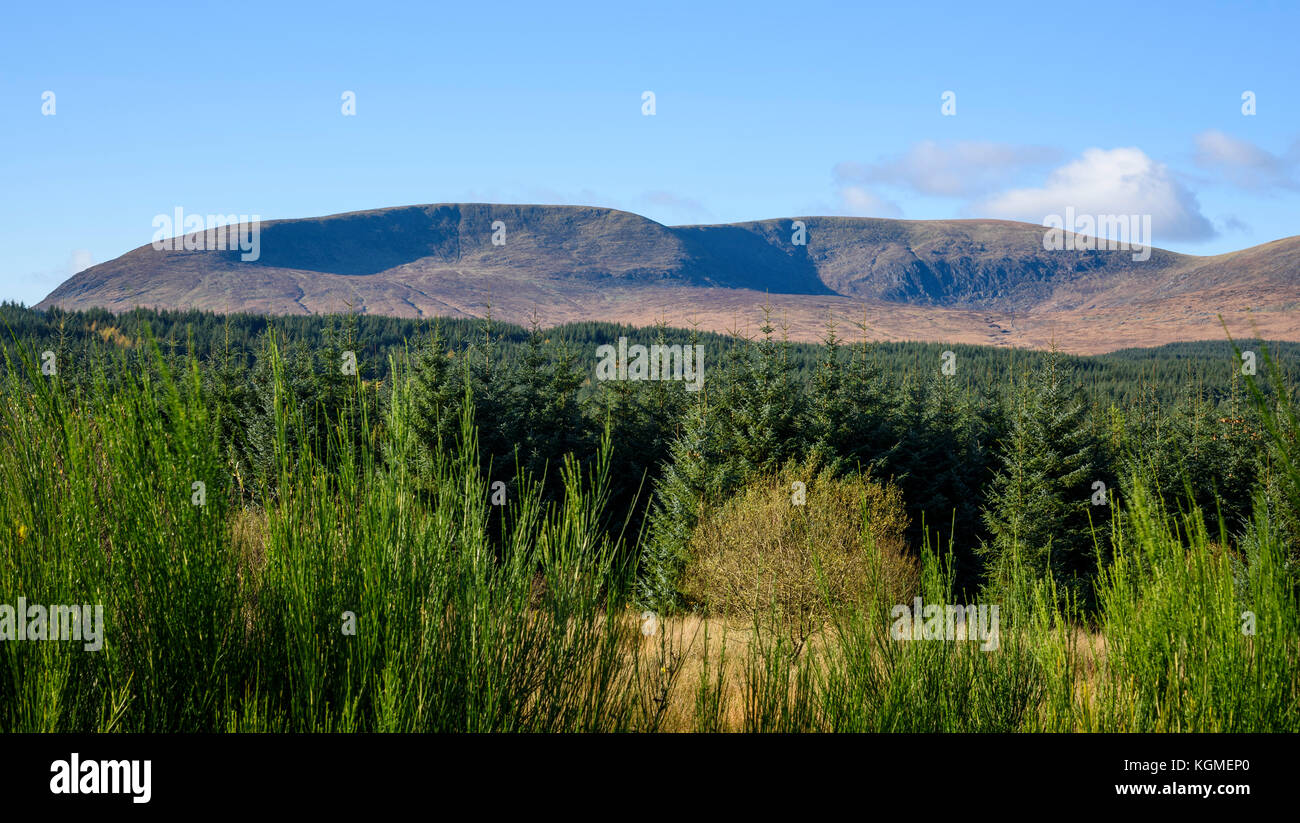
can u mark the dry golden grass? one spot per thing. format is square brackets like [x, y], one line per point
[690, 654]
[690, 648]
[693, 647]
[248, 535]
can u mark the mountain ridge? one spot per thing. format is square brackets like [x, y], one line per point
[965, 280]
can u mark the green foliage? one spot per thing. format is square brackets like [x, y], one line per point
[679, 498]
[849, 424]
[1186, 649]
[760, 407]
[451, 632]
[98, 508]
[1040, 510]
[328, 492]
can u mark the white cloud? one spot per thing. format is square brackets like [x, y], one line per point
[859, 202]
[1114, 181]
[960, 169]
[1244, 164]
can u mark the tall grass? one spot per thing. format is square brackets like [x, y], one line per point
[453, 630]
[379, 593]
[1185, 649]
[1188, 639]
[96, 507]
[859, 677]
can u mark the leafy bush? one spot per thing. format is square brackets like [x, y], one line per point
[762, 553]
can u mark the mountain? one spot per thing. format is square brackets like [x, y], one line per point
[975, 281]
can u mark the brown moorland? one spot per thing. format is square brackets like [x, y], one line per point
[958, 281]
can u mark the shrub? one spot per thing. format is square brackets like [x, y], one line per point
[762, 555]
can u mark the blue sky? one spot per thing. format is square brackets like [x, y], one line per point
[761, 110]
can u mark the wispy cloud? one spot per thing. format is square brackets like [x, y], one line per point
[857, 201]
[675, 207]
[41, 283]
[1231, 223]
[78, 261]
[954, 169]
[1245, 164]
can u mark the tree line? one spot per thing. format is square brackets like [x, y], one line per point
[1012, 460]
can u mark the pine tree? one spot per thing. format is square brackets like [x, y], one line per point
[1212, 449]
[228, 383]
[830, 408]
[644, 418]
[299, 401]
[868, 435]
[762, 407]
[1147, 446]
[542, 419]
[942, 466]
[487, 381]
[437, 392]
[688, 483]
[1039, 508]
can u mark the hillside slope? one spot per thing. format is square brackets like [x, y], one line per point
[959, 280]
